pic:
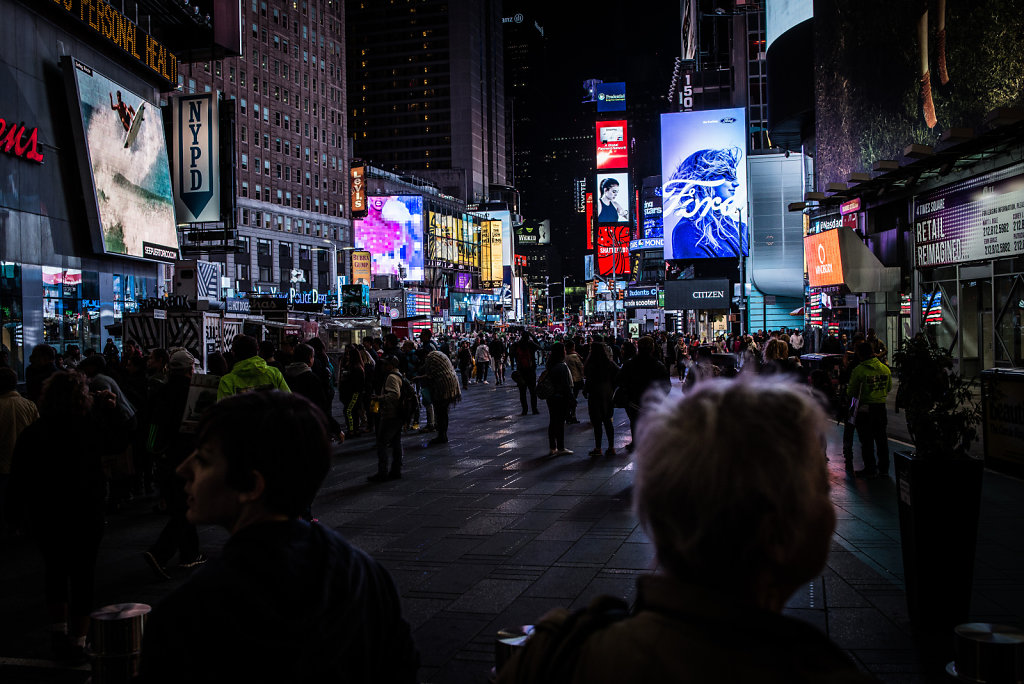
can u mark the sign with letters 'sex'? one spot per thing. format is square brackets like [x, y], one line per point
[699, 294]
[196, 158]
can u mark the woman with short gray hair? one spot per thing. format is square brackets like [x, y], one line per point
[733, 491]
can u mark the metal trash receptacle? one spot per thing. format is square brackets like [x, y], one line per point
[988, 654]
[117, 642]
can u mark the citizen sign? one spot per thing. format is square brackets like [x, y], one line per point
[709, 294]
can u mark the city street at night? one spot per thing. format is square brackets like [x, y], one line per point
[489, 532]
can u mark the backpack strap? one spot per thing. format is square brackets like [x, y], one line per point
[558, 663]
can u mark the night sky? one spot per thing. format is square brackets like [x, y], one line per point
[611, 43]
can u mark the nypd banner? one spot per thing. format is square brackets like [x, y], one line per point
[196, 158]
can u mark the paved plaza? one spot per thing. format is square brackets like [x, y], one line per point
[488, 531]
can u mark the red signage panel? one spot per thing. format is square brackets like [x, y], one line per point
[612, 145]
[613, 250]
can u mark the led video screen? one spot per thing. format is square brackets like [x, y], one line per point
[125, 173]
[612, 145]
[824, 260]
[393, 232]
[704, 184]
[611, 97]
[612, 200]
[613, 250]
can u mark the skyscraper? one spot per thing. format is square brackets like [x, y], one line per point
[428, 92]
[292, 175]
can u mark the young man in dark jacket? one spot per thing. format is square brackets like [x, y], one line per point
[288, 600]
[639, 374]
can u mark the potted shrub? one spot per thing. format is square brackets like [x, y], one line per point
[939, 489]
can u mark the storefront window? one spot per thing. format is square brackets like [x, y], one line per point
[1009, 345]
[11, 337]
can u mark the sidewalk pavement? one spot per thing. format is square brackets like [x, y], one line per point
[489, 532]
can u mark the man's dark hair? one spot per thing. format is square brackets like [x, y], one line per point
[266, 349]
[303, 354]
[43, 352]
[244, 347]
[160, 354]
[93, 364]
[278, 434]
[865, 351]
[8, 380]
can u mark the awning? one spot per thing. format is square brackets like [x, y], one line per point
[797, 312]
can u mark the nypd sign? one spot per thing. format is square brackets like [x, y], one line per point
[196, 158]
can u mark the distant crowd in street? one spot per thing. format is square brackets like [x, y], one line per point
[247, 444]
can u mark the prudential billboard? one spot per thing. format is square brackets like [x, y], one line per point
[704, 184]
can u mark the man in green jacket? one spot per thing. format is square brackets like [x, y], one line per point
[250, 372]
[871, 382]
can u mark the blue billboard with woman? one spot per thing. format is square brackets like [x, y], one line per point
[704, 184]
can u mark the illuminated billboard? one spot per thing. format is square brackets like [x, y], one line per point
[611, 97]
[125, 174]
[824, 260]
[357, 196]
[612, 145]
[590, 220]
[613, 198]
[393, 232]
[652, 225]
[704, 184]
[613, 250]
[362, 267]
[971, 220]
[505, 217]
[490, 253]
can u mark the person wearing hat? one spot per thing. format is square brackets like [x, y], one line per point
[169, 447]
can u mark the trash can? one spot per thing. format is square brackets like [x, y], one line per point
[117, 642]
[989, 653]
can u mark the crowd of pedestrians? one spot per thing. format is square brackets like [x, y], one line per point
[94, 430]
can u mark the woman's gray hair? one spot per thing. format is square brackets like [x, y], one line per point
[731, 482]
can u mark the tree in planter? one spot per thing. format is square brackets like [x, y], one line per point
[939, 489]
[941, 411]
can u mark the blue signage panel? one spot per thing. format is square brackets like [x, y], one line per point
[611, 97]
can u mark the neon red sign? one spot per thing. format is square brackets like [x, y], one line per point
[11, 141]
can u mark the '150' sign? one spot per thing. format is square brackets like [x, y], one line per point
[12, 141]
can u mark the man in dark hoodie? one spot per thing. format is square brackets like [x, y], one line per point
[287, 600]
[302, 380]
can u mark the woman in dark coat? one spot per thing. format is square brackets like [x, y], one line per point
[559, 399]
[58, 488]
[350, 384]
[599, 383]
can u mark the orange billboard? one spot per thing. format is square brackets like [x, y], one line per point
[824, 260]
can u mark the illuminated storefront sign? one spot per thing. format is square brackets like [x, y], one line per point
[361, 267]
[12, 140]
[850, 207]
[105, 21]
[824, 263]
[357, 176]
